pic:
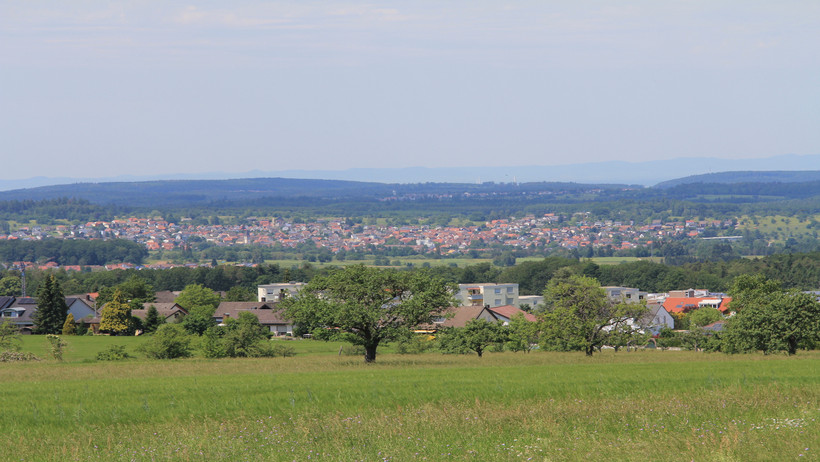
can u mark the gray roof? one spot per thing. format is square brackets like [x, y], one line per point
[165, 310]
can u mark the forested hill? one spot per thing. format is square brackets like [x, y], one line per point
[165, 193]
[347, 197]
[745, 177]
[194, 192]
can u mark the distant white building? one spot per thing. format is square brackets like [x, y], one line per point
[489, 294]
[532, 300]
[277, 292]
[624, 294]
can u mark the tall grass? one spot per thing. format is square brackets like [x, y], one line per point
[544, 406]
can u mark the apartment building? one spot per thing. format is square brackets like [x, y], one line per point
[489, 294]
[277, 292]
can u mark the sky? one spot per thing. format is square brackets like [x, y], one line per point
[99, 89]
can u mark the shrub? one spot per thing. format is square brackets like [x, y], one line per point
[68, 327]
[352, 350]
[113, 353]
[13, 356]
[284, 351]
[55, 346]
[9, 337]
[169, 342]
[413, 345]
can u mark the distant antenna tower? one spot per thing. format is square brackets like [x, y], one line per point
[23, 278]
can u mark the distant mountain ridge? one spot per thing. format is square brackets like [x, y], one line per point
[645, 173]
[209, 192]
[775, 176]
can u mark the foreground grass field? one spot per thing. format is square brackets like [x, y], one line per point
[649, 405]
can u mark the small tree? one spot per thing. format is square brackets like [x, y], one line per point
[479, 334]
[9, 337]
[55, 346]
[197, 299]
[522, 334]
[152, 320]
[116, 315]
[51, 307]
[69, 328]
[197, 323]
[243, 335]
[704, 316]
[170, 341]
[10, 286]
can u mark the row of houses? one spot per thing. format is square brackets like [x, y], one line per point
[497, 302]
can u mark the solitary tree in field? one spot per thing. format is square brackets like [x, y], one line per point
[51, 307]
[579, 315]
[116, 315]
[370, 304]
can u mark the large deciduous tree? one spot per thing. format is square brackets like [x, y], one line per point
[370, 304]
[579, 315]
[51, 307]
[769, 319]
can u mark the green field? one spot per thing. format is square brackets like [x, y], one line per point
[647, 405]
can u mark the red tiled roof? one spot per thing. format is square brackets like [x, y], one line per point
[508, 311]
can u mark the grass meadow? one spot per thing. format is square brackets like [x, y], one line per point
[646, 405]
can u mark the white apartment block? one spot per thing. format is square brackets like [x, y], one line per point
[487, 294]
[624, 294]
[277, 292]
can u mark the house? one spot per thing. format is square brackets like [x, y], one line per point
[656, 318]
[166, 296]
[504, 314]
[687, 304]
[20, 312]
[268, 313]
[459, 316]
[171, 312]
[79, 308]
[532, 300]
[278, 292]
[487, 294]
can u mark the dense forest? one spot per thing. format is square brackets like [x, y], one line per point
[73, 252]
[799, 271]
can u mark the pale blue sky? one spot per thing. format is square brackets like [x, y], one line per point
[96, 89]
